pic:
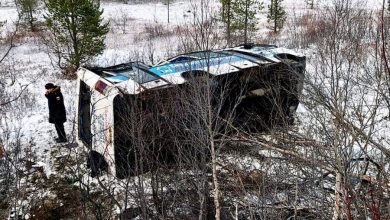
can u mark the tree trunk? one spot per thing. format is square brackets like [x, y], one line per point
[275, 6]
[336, 212]
[168, 11]
[215, 182]
[246, 23]
[228, 23]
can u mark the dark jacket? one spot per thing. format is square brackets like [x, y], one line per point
[57, 113]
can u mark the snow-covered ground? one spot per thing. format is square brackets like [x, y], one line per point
[32, 67]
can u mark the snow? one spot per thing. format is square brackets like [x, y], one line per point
[33, 68]
[149, 12]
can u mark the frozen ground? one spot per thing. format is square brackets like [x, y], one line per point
[31, 65]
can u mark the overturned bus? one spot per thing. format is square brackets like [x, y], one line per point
[132, 115]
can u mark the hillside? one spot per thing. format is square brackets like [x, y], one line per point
[332, 162]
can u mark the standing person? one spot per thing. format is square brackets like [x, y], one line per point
[57, 113]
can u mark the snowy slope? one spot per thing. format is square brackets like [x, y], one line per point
[33, 67]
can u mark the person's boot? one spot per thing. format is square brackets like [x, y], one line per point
[61, 140]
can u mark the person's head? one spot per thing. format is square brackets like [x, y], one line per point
[49, 86]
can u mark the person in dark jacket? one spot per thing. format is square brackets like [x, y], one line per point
[57, 113]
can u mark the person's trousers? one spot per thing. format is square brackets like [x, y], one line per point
[60, 131]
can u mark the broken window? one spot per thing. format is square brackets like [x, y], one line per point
[84, 127]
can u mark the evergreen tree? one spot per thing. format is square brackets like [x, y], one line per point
[276, 15]
[240, 16]
[226, 15]
[27, 10]
[77, 31]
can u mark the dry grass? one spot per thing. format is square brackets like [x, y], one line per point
[154, 31]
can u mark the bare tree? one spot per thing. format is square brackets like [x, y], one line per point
[346, 117]
[123, 21]
[179, 144]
